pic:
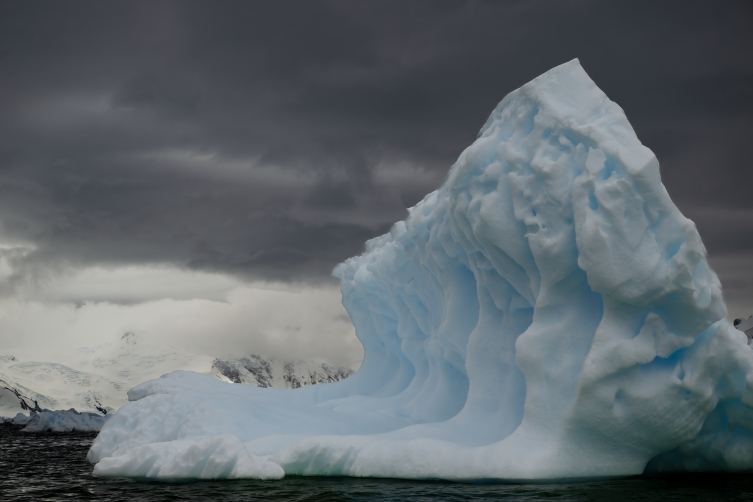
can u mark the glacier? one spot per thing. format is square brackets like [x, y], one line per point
[546, 314]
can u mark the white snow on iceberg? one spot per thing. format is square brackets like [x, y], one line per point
[548, 313]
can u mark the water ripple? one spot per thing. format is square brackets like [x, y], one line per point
[53, 467]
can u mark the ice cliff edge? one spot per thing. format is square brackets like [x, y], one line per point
[548, 313]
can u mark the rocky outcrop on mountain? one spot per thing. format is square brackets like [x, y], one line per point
[257, 370]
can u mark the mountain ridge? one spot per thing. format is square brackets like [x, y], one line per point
[96, 379]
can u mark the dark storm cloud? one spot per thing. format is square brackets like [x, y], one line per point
[271, 139]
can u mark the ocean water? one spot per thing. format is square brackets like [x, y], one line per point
[53, 466]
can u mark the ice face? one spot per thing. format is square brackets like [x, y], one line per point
[548, 313]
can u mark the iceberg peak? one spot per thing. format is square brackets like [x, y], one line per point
[547, 313]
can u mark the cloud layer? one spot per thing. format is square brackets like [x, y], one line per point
[289, 323]
[268, 141]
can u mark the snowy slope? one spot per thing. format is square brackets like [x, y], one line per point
[17, 398]
[96, 379]
[13, 402]
[63, 387]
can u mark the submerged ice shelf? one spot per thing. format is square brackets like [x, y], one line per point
[548, 313]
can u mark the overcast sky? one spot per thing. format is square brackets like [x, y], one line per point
[234, 145]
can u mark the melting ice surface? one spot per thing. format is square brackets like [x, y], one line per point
[548, 313]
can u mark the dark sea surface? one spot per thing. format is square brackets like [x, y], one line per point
[53, 466]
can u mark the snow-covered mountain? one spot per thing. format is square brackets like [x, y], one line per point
[268, 372]
[97, 379]
[13, 402]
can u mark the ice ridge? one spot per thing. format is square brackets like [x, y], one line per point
[546, 314]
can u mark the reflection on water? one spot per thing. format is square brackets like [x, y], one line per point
[49, 466]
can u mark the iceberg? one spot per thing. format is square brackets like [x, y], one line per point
[546, 314]
[61, 421]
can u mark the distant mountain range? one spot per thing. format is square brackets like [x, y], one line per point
[97, 379]
[267, 372]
